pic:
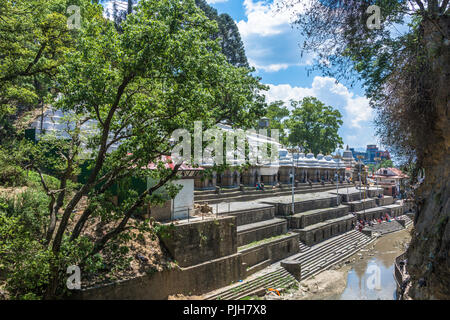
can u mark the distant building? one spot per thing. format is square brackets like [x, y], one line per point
[391, 179]
[370, 154]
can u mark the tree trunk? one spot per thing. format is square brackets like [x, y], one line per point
[428, 260]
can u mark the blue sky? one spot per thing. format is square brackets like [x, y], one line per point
[272, 47]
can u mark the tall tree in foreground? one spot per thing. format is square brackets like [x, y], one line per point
[314, 126]
[228, 34]
[406, 76]
[134, 88]
[32, 47]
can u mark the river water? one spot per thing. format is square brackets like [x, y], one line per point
[371, 278]
[367, 275]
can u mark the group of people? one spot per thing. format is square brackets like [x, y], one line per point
[360, 224]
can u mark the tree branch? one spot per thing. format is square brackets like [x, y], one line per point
[100, 244]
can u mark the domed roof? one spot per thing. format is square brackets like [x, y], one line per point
[310, 161]
[323, 163]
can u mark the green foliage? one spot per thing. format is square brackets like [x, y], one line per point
[32, 46]
[228, 34]
[23, 258]
[30, 207]
[158, 73]
[385, 164]
[277, 114]
[314, 126]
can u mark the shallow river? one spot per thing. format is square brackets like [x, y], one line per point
[371, 278]
[368, 275]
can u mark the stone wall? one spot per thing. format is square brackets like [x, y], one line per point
[193, 280]
[284, 209]
[316, 235]
[253, 215]
[252, 235]
[270, 252]
[197, 242]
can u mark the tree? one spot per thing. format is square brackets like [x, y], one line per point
[32, 47]
[406, 77]
[228, 33]
[386, 164]
[135, 87]
[277, 114]
[314, 126]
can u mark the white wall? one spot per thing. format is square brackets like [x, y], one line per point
[184, 200]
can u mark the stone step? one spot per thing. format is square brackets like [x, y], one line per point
[280, 278]
[340, 245]
[313, 201]
[259, 194]
[249, 216]
[275, 279]
[272, 249]
[303, 247]
[386, 200]
[372, 213]
[330, 252]
[360, 205]
[307, 218]
[351, 196]
[257, 267]
[257, 231]
[395, 209]
[318, 232]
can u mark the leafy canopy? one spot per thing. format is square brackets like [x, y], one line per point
[314, 126]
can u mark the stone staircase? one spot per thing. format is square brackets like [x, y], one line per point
[250, 193]
[303, 247]
[314, 223]
[260, 230]
[328, 253]
[321, 227]
[408, 220]
[263, 238]
[314, 260]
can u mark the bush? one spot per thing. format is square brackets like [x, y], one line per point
[12, 175]
[30, 208]
[23, 258]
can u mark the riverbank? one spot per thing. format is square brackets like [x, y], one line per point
[365, 275]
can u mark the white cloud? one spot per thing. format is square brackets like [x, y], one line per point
[274, 67]
[357, 114]
[286, 92]
[270, 43]
[265, 19]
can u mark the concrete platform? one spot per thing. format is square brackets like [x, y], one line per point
[395, 209]
[372, 213]
[318, 232]
[360, 205]
[257, 231]
[302, 202]
[304, 219]
[386, 200]
[353, 194]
